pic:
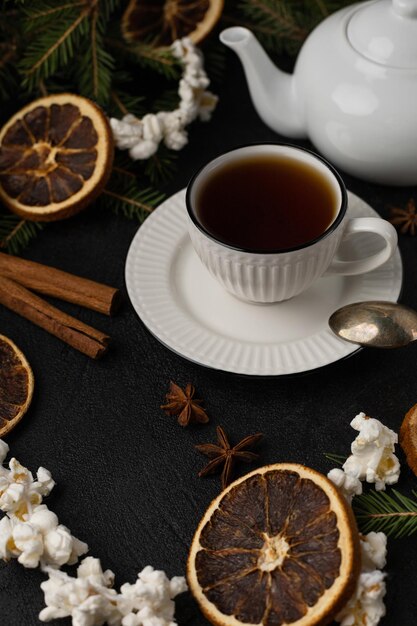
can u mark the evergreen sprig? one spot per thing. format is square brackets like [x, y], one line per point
[122, 102]
[395, 515]
[96, 83]
[339, 459]
[125, 196]
[167, 101]
[53, 40]
[8, 77]
[15, 233]
[60, 32]
[144, 55]
[283, 25]
[9, 34]
[158, 60]
[161, 166]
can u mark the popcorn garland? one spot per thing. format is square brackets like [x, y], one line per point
[142, 137]
[374, 461]
[91, 601]
[31, 533]
[39, 540]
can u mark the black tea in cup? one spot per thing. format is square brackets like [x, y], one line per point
[266, 202]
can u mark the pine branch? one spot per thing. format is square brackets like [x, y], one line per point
[94, 58]
[15, 233]
[321, 5]
[158, 169]
[107, 7]
[46, 10]
[282, 25]
[279, 25]
[159, 60]
[167, 101]
[56, 84]
[94, 72]
[161, 166]
[9, 38]
[8, 76]
[395, 515]
[122, 102]
[52, 47]
[339, 459]
[5, 3]
[124, 196]
[131, 203]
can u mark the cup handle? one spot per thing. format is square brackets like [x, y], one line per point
[366, 225]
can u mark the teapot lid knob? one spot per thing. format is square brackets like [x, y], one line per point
[385, 32]
[406, 8]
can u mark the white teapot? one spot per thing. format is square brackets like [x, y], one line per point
[353, 92]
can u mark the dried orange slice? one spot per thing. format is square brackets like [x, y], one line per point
[16, 385]
[278, 546]
[160, 22]
[408, 438]
[55, 157]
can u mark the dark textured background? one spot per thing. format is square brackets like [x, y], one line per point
[126, 473]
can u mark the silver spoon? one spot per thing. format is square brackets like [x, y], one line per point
[376, 324]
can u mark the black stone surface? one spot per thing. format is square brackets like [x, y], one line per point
[126, 473]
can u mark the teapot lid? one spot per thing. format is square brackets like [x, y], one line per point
[385, 31]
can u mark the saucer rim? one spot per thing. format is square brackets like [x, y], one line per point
[147, 323]
[230, 372]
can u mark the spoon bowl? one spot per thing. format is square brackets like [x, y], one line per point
[376, 324]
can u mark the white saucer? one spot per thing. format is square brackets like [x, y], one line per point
[190, 313]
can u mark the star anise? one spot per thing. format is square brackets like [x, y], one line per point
[224, 454]
[183, 404]
[406, 218]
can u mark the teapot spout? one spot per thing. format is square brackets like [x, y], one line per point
[273, 91]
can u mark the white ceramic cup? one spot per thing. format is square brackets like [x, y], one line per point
[277, 275]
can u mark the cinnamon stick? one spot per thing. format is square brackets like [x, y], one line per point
[53, 282]
[84, 338]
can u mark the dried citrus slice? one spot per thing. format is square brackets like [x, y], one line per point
[278, 546]
[55, 157]
[16, 385]
[408, 438]
[160, 22]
